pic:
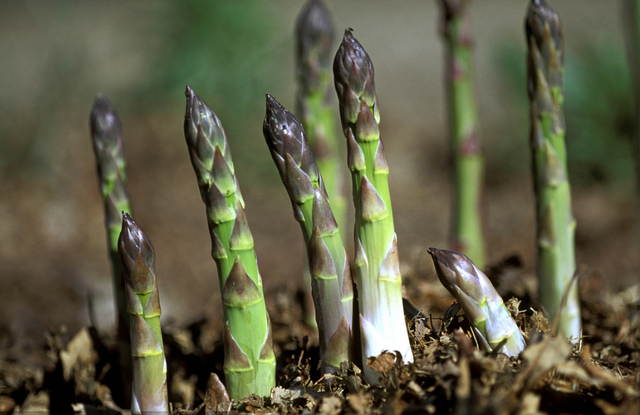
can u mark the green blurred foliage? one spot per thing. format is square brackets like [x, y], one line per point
[228, 52]
[598, 110]
[223, 49]
[141, 55]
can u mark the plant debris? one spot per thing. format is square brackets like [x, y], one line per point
[600, 374]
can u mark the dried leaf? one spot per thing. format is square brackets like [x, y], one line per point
[383, 363]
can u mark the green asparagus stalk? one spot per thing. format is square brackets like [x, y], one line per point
[464, 132]
[109, 150]
[376, 261]
[493, 326]
[314, 35]
[328, 263]
[143, 306]
[555, 223]
[249, 362]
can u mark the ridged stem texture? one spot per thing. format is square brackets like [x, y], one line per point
[494, 328]
[314, 36]
[555, 224]
[249, 361]
[149, 395]
[108, 146]
[332, 285]
[382, 322]
[464, 132]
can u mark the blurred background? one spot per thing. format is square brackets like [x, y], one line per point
[56, 56]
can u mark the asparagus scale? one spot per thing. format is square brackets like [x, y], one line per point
[556, 261]
[376, 254]
[149, 395]
[332, 285]
[249, 363]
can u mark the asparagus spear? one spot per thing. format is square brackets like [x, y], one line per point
[327, 257]
[143, 306]
[376, 258]
[109, 150]
[249, 362]
[314, 35]
[494, 327]
[555, 223]
[464, 132]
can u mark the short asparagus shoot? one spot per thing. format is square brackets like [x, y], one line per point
[495, 329]
[556, 261]
[149, 395]
[249, 360]
[382, 321]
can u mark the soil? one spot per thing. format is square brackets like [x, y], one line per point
[599, 374]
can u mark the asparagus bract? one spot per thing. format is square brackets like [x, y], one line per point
[327, 257]
[314, 36]
[464, 132]
[556, 261]
[108, 146]
[376, 258]
[249, 363]
[143, 306]
[494, 327]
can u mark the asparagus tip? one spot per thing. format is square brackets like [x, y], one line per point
[540, 16]
[103, 118]
[446, 264]
[271, 102]
[315, 27]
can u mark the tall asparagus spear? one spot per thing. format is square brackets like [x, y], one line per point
[327, 257]
[555, 224]
[464, 132]
[314, 37]
[143, 306]
[494, 327]
[109, 150]
[249, 362]
[376, 258]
